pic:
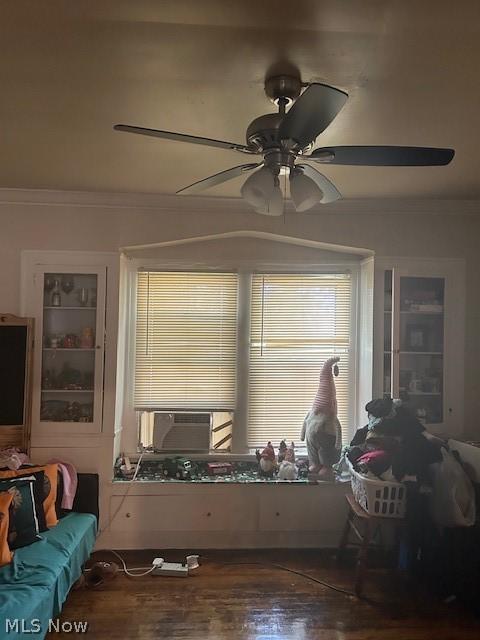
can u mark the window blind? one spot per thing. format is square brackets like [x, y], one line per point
[297, 322]
[185, 353]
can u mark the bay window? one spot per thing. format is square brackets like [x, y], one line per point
[250, 345]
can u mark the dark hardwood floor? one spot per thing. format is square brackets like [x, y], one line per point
[231, 601]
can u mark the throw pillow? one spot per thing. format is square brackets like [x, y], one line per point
[41, 490]
[51, 472]
[23, 521]
[5, 553]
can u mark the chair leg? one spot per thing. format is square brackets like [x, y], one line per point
[362, 559]
[344, 538]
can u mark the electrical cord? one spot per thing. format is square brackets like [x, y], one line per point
[117, 510]
[125, 569]
[283, 568]
[128, 571]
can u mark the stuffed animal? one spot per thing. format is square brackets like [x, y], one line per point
[321, 429]
[288, 469]
[266, 460]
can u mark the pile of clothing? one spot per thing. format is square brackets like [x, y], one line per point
[393, 445]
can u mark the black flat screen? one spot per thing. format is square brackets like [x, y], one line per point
[13, 352]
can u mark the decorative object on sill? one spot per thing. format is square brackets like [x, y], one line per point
[288, 469]
[321, 428]
[219, 468]
[266, 461]
[179, 468]
[242, 472]
[282, 449]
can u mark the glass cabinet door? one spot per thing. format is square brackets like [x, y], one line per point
[421, 339]
[414, 343]
[70, 362]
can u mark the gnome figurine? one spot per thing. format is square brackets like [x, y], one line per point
[321, 428]
[282, 450]
[266, 460]
[288, 469]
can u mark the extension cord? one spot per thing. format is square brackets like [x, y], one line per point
[162, 568]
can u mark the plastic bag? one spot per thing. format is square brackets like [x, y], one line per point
[452, 502]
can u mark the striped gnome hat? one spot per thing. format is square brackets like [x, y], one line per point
[326, 399]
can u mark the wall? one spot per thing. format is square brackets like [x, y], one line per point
[103, 223]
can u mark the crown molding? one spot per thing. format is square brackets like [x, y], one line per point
[209, 204]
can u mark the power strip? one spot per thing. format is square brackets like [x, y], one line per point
[163, 568]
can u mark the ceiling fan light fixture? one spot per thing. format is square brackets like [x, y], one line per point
[304, 192]
[258, 188]
[274, 206]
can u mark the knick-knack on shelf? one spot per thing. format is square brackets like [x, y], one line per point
[56, 297]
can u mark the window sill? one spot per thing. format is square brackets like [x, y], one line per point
[222, 480]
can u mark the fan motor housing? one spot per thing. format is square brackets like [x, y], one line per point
[262, 133]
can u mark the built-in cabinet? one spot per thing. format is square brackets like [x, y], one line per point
[420, 339]
[69, 354]
[67, 296]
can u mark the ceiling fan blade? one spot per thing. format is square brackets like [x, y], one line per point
[383, 156]
[311, 114]
[182, 137]
[329, 190]
[218, 178]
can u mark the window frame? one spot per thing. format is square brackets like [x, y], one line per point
[240, 428]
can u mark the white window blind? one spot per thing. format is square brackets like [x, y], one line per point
[185, 352]
[297, 322]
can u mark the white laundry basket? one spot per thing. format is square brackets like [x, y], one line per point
[383, 499]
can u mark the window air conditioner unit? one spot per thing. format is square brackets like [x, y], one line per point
[182, 431]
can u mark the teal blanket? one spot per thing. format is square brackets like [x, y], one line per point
[35, 585]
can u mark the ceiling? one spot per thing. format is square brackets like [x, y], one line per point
[70, 70]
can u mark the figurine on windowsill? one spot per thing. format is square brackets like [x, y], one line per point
[288, 469]
[266, 461]
[282, 450]
[321, 428]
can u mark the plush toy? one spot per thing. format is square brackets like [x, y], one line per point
[288, 469]
[266, 460]
[321, 429]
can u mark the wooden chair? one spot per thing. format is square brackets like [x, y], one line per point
[358, 519]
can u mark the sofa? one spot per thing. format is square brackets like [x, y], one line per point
[34, 586]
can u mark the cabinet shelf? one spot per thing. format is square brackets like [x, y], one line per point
[71, 308]
[67, 390]
[421, 353]
[416, 353]
[67, 349]
[423, 393]
[422, 313]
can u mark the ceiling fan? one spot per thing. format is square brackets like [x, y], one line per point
[285, 140]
